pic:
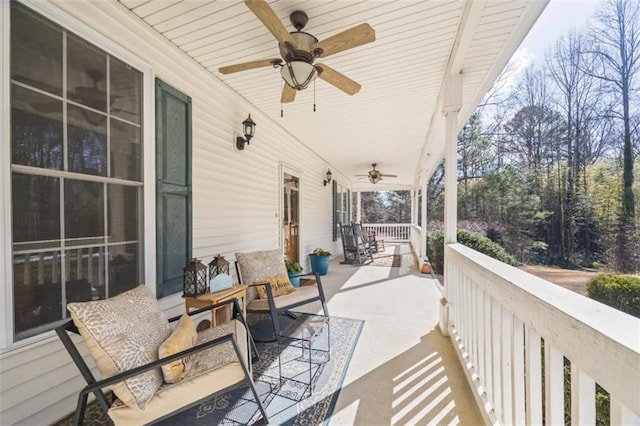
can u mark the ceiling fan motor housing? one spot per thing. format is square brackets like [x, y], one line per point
[303, 52]
[298, 19]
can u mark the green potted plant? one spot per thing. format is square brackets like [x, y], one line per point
[320, 261]
[294, 270]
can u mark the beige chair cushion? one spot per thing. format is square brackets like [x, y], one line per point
[280, 286]
[183, 337]
[212, 370]
[260, 265]
[121, 333]
[300, 294]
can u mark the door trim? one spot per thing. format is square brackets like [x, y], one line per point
[283, 168]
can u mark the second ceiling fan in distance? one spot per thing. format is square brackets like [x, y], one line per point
[299, 51]
[375, 175]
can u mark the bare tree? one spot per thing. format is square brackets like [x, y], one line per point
[578, 94]
[616, 51]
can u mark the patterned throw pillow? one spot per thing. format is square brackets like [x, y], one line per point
[183, 337]
[280, 285]
[121, 333]
[258, 266]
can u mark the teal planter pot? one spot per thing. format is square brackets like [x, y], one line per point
[320, 264]
[294, 277]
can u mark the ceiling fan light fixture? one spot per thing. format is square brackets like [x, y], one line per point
[298, 74]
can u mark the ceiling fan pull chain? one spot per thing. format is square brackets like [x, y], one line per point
[314, 96]
[281, 104]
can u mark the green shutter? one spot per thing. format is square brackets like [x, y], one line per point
[348, 206]
[173, 187]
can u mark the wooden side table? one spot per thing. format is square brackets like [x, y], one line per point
[219, 315]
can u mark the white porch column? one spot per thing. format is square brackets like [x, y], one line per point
[359, 207]
[452, 102]
[423, 218]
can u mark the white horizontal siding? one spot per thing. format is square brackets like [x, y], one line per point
[235, 198]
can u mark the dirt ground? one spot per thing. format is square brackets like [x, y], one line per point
[575, 280]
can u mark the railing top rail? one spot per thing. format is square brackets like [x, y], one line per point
[604, 341]
[391, 225]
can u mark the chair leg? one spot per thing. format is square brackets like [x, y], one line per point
[321, 292]
[254, 391]
[252, 385]
[275, 322]
[78, 418]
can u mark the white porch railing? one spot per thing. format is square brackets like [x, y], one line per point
[501, 318]
[400, 232]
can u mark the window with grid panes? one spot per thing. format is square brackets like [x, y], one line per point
[76, 172]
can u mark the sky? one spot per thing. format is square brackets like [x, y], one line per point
[558, 19]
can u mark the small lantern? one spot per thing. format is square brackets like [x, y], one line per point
[249, 128]
[195, 279]
[218, 266]
[327, 179]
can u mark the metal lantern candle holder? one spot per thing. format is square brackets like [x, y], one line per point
[218, 266]
[195, 279]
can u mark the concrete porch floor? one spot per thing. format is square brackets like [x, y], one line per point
[403, 371]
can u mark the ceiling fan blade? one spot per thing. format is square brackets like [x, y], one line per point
[337, 79]
[263, 11]
[249, 65]
[353, 37]
[288, 94]
[386, 175]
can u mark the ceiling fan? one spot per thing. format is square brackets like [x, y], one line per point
[374, 175]
[300, 49]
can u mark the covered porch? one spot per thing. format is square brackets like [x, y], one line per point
[467, 354]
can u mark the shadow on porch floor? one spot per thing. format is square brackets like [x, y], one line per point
[403, 371]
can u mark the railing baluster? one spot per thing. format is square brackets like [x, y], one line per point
[518, 372]
[553, 385]
[507, 363]
[475, 309]
[480, 362]
[488, 360]
[534, 377]
[496, 349]
[79, 264]
[41, 268]
[583, 397]
[464, 310]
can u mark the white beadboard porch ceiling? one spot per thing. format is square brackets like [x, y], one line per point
[395, 120]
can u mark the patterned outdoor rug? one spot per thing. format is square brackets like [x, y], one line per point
[285, 403]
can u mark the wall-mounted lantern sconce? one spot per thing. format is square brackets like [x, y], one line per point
[327, 180]
[249, 129]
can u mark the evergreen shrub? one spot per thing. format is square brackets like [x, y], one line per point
[474, 240]
[619, 291]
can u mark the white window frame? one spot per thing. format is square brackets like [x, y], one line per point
[341, 192]
[148, 242]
